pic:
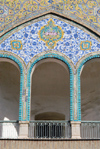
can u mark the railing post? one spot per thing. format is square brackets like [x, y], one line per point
[23, 129]
[75, 129]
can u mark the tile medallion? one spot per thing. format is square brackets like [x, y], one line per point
[85, 45]
[16, 44]
[51, 34]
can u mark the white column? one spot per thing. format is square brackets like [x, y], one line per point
[23, 129]
[75, 128]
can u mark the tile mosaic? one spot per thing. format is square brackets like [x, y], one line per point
[68, 45]
[13, 12]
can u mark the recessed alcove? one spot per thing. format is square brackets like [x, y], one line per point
[50, 116]
[50, 90]
[90, 90]
[9, 89]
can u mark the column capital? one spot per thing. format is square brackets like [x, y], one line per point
[23, 122]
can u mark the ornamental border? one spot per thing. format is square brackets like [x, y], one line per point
[59, 57]
[31, 21]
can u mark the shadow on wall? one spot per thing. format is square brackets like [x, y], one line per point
[90, 90]
[50, 116]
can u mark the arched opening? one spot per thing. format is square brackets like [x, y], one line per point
[9, 97]
[50, 89]
[90, 90]
[50, 98]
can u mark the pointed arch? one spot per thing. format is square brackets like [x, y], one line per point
[18, 61]
[79, 67]
[67, 61]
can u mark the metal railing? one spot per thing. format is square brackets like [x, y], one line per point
[9, 129]
[49, 129]
[90, 129]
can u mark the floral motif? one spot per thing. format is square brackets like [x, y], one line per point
[75, 43]
[3, 11]
[85, 45]
[17, 10]
[51, 34]
[16, 45]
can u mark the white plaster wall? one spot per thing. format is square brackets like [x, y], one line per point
[90, 90]
[50, 90]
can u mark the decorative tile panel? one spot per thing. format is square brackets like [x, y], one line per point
[13, 12]
[75, 42]
[51, 34]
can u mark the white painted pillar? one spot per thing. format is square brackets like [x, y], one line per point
[75, 129]
[23, 129]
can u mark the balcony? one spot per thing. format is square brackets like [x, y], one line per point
[37, 129]
[50, 130]
[9, 129]
[90, 129]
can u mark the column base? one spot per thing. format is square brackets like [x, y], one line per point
[75, 130]
[23, 129]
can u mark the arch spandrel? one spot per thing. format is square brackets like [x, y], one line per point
[26, 42]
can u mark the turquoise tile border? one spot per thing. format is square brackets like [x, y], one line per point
[78, 82]
[21, 81]
[56, 56]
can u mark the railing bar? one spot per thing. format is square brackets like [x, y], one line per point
[38, 121]
[66, 127]
[90, 130]
[98, 131]
[90, 121]
[61, 131]
[95, 130]
[55, 129]
[9, 121]
[47, 129]
[34, 130]
[38, 130]
[41, 128]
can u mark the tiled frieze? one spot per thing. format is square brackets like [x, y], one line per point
[13, 12]
[35, 37]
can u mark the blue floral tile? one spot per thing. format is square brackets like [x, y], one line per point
[70, 44]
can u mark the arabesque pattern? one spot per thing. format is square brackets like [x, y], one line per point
[75, 42]
[12, 12]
